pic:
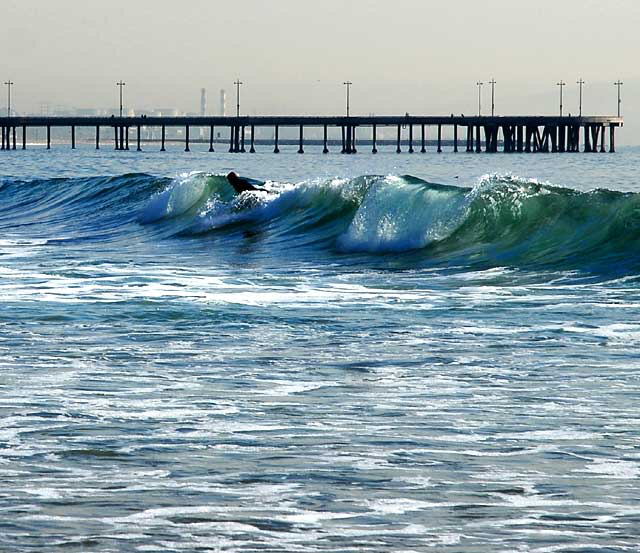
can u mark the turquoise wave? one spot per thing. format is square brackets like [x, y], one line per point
[502, 221]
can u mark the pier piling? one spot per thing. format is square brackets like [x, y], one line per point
[236, 139]
[612, 140]
[325, 150]
[349, 139]
[300, 148]
[374, 149]
[519, 138]
[587, 139]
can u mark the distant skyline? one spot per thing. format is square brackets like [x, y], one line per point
[415, 56]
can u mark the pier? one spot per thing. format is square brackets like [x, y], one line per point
[509, 134]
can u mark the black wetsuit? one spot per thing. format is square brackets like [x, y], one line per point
[241, 185]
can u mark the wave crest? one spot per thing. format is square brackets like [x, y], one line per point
[502, 221]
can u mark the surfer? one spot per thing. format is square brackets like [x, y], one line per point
[241, 185]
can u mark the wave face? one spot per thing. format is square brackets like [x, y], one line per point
[502, 221]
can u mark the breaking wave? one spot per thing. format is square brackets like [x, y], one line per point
[502, 221]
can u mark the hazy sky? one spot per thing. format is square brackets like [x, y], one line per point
[416, 56]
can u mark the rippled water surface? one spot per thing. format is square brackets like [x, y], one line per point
[381, 353]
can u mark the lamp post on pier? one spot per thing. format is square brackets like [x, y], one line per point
[479, 85]
[121, 84]
[9, 84]
[238, 83]
[561, 84]
[348, 85]
[492, 82]
[581, 84]
[618, 83]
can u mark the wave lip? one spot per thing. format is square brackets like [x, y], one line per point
[188, 193]
[403, 213]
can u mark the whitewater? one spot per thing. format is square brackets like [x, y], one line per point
[379, 353]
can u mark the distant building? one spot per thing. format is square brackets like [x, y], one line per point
[166, 112]
[126, 112]
[90, 112]
[60, 111]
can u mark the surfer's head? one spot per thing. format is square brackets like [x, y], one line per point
[232, 176]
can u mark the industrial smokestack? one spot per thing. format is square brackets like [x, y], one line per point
[203, 101]
[223, 103]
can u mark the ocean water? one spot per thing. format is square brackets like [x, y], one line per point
[383, 353]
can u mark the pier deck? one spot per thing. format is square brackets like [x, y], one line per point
[483, 133]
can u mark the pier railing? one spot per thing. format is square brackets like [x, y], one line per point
[472, 134]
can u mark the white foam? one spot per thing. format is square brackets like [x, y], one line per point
[398, 506]
[486, 453]
[420, 481]
[287, 388]
[314, 517]
[19, 243]
[613, 468]
[161, 514]
[550, 435]
[45, 493]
